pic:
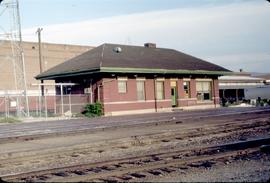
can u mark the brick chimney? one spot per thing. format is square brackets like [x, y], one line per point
[150, 45]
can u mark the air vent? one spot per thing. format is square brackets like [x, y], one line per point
[117, 49]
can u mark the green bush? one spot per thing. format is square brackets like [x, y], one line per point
[93, 110]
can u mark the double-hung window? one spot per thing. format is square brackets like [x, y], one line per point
[204, 91]
[122, 86]
[160, 90]
[187, 89]
[140, 90]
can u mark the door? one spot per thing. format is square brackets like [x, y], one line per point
[174, 93]
[174, 96]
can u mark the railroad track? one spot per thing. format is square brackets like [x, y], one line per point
[43, 130]
[138, 167]
[84, 127]
[228, 128]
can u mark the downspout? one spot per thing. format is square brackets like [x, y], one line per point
[155, 96]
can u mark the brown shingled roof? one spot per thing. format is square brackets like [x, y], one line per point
[130, 57]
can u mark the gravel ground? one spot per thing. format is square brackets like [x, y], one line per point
[254, 169]
[123, 142]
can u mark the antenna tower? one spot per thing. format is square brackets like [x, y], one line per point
[15, 37]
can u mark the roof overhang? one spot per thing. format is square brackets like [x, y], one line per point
[67, 74]
[161, 71]
[131, 70]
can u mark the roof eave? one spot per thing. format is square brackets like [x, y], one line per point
[161, 71]
[67, 74]
[130, 70]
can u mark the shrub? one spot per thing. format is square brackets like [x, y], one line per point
[264, 100]
[93, 110]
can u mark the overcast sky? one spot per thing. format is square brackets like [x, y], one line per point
[231, 33]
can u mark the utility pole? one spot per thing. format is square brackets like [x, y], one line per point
[40, 58]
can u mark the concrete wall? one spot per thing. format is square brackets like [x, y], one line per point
[52, 55]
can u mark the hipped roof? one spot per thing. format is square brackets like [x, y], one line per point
[132, 59]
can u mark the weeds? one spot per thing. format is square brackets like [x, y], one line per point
[9, 120]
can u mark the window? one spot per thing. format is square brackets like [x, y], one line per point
[160, 90]
[203, 90]
[187, 89]
[122, 86]
[140, 90]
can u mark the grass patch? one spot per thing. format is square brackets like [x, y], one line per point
[9, 120]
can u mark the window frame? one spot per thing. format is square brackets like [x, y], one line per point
[187, 91]
[124, 82]
[142, 92]
[162, 91]
[201, 93]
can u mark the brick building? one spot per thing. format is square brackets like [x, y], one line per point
[133, 79]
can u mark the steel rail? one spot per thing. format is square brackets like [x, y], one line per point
[192, 133]
[188, 156]
[69, 129]
[143, 119]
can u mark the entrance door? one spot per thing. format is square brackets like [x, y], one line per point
[174, 96]
[173, 93]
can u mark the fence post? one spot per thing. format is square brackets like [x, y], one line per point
[39, 101]
[62, 102]
[70, 103]
[46, 108]
[55, 98]
[37, 104]
[6, 107]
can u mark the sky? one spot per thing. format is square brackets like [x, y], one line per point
[230, 33]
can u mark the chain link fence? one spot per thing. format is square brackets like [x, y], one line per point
[45, 106]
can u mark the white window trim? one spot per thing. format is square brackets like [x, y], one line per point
[122, 78]
[189, 89]
[160, 79]
[163, 89]
[186, 79]
[122, 92]
[203, 79]
[140, 79]
[143, 81]
[202, 91]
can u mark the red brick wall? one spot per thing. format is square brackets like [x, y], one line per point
[180, 88]
[215, 91]
[193, 92]
[115, 101]
[167, 89]
[149, 88]
[111, 94]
